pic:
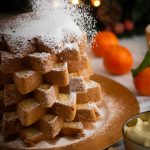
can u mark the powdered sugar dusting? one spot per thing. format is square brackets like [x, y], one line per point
[71, 46]
[56, 19]
[19, 43]
[91, 84]
[24, 73]
[116, 109]
[60, 67]
[109, 109]
[83, 18]
[43, 55]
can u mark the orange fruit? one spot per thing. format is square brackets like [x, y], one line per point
[117, 60]
[142, 82]
[101, 41]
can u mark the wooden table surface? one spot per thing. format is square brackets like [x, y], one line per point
[138, 48]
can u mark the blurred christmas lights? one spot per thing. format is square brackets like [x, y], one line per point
[56, 3]
[75, 2]
[96, 3]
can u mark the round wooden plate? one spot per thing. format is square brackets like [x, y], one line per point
[117, 106]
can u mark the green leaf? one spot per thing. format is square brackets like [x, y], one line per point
[145, 63]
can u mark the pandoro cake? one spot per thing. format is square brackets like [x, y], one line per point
[45, 83]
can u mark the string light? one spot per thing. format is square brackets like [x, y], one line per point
[56, 4]
[96, 3]
[75, 2]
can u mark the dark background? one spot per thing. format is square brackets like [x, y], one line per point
[117, 16]
[15, 6]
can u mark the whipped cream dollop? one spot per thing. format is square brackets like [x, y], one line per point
[140, 133]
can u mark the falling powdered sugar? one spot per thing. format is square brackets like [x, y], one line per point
[57, 19]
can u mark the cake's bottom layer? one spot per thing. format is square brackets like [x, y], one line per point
[117, 106]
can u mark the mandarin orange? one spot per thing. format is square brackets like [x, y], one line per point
[101, 41]
[117, 60]
[142, 82]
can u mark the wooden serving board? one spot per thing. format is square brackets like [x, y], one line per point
[117, 106]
